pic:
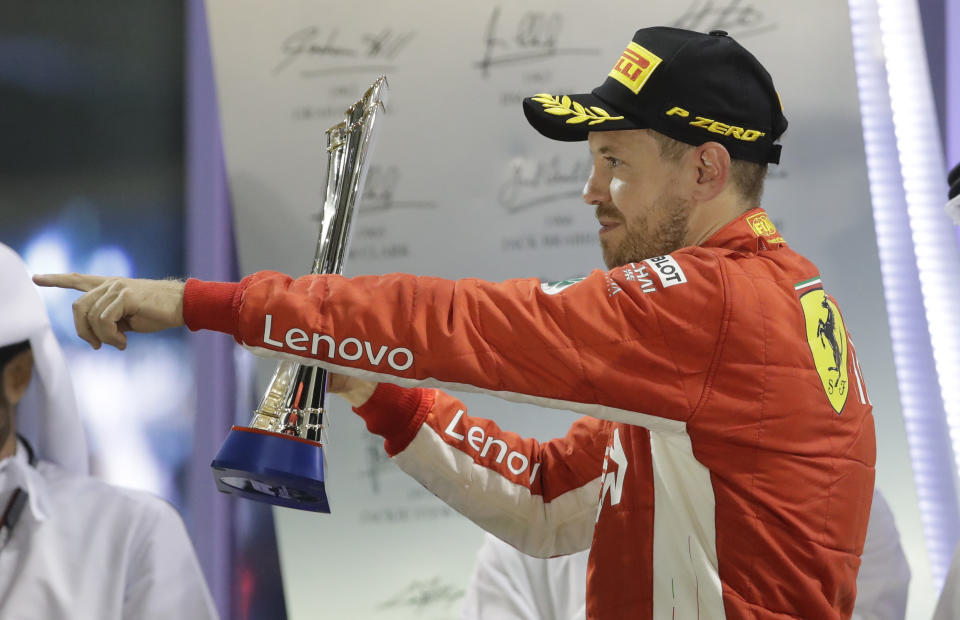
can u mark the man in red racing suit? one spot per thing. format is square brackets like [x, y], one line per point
[724, 465]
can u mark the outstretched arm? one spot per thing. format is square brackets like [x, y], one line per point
[576, 347]
[112, 306]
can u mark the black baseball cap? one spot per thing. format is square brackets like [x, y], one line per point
[690, 86]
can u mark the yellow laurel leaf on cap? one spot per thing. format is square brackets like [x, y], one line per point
[564, 106]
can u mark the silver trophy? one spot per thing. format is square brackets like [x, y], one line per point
[279, 457]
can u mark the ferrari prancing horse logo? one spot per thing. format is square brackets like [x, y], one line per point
[828, 343]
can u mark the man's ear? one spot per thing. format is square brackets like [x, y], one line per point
[713, 169]
[16, 376]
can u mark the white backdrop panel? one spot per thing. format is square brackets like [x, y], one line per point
[460, 186]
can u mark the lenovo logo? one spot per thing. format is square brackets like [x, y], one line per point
[350, 349]
[478, 440]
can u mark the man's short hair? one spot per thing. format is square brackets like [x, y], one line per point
[746, 176]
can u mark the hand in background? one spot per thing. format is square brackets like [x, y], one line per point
[953, 196]
[355, 391]
[110, 307]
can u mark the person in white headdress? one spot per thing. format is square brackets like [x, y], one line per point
[72, 546]
[508, 585]
[948, 605]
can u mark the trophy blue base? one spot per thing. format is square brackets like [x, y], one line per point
[272, 467]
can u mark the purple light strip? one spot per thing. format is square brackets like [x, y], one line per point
[952, 86]
[898, 189]
[952, 98]
[210, 255]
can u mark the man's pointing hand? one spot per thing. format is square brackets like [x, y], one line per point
[111, 306]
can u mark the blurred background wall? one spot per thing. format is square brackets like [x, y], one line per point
[93, 178]
[112, 161]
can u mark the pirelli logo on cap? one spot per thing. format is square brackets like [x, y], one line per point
[635, 67]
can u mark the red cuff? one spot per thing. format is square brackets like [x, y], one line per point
[210, 305]
[396, 414]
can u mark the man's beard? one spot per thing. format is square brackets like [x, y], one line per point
[639, 242]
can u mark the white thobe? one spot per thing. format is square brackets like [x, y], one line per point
[948, 605]
[83, 549]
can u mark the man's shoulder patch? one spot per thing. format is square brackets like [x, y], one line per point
[552, 288]
[827, 337]
[668, 270]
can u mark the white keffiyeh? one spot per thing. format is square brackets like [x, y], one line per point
[56, 431]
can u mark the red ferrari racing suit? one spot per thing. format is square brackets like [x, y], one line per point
[723, 467]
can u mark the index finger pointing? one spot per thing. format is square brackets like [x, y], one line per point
[77, 281]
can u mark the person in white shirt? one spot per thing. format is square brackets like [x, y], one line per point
[508, 585]
[72, 546]
[948, 605]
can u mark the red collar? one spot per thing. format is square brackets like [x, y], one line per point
[753, 231]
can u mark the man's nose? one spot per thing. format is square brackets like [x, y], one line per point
[597, 189]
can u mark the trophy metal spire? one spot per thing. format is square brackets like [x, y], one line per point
[279, 457]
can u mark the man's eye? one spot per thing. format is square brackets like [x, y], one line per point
[613, 162]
